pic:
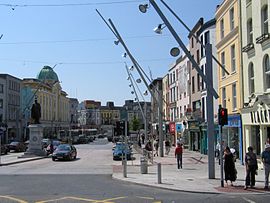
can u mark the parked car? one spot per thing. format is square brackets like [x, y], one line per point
[26, 143]
[64, 151]
[83, 139]
[54, 146]
[4, 149]
[119, 151]
[17, 146]
[45, 142]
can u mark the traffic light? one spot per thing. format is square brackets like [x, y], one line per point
[120, 128]
[222, 116]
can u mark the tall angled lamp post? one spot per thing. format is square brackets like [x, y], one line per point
[136, 65]
[207, 79]
[131, 78]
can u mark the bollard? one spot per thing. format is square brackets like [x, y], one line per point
[159, 172]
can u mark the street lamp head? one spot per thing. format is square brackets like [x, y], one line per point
[143, 8]
[145, 93]
[128, 78]
[138, 80]
[159, 28]
[132, 92]
[130, 85]
[131, 68]
[175, 51]
[116, 42]
[124, 55]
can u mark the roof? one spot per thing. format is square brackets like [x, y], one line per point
[47, 73]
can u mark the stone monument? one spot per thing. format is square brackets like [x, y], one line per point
[35, 147]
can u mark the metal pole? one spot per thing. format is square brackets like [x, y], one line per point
[160, 126]
[210, 90]
[210, 113]
[221, 156]
[159, 172]
[145, 121]
[125, 161]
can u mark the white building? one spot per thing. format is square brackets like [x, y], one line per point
[256, 74]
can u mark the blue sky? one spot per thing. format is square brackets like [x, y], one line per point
[90, 66]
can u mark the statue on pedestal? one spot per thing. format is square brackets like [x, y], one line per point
[36, 112]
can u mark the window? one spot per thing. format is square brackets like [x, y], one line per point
[198, 82]
[266, 67]
[221, 29]
[224, 97]
[192, 42]
[223, 64]
[234, 97]
[203, 70]
[232, 18]
[251, 78]
[202, 49]
[193, 85]
[233, 58]
[1, 103]
[198, 56]
[1, 88]
[249, 31]
[265, 19]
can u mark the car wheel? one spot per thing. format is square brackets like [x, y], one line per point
[53, 158]
[75, 157]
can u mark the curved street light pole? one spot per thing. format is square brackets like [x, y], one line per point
[211, 92]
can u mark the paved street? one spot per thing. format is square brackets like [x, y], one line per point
[89, 179]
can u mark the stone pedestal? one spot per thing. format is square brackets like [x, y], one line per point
[35, 147]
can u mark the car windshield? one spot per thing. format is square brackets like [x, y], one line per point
[63, 147]
[14, 143]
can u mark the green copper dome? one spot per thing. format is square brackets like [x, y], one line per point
[47, 73]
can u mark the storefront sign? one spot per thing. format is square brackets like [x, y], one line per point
[172, 127]
[178, 127]
[260, 116]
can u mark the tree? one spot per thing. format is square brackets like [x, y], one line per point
[135, 124]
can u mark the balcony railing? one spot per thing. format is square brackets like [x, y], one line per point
[262, 38]
[247, 48]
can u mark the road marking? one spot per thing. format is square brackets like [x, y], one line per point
[248, 200]
[82, 199]
[151, 198]
[13, 198]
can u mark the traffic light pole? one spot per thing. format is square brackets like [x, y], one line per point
[221, 156]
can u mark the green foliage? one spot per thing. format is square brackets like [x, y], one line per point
[135, 124]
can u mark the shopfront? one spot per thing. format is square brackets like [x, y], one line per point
[194, 135]
[256, 125]
[232, 135]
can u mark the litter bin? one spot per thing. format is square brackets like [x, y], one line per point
[144, 167]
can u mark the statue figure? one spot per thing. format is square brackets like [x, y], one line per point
[36, 112]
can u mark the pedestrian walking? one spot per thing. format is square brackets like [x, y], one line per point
[143, 138]
[266, 163]
[156, 145]
[179, 155]
[148, 148]
[167, 146]
[251, 168]
[229, 166]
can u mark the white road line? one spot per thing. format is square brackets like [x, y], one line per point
[248, 200]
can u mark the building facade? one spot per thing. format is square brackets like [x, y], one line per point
[195, 90]
[53, 100]
[228, 46]
[256, 74]
[10, 108]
